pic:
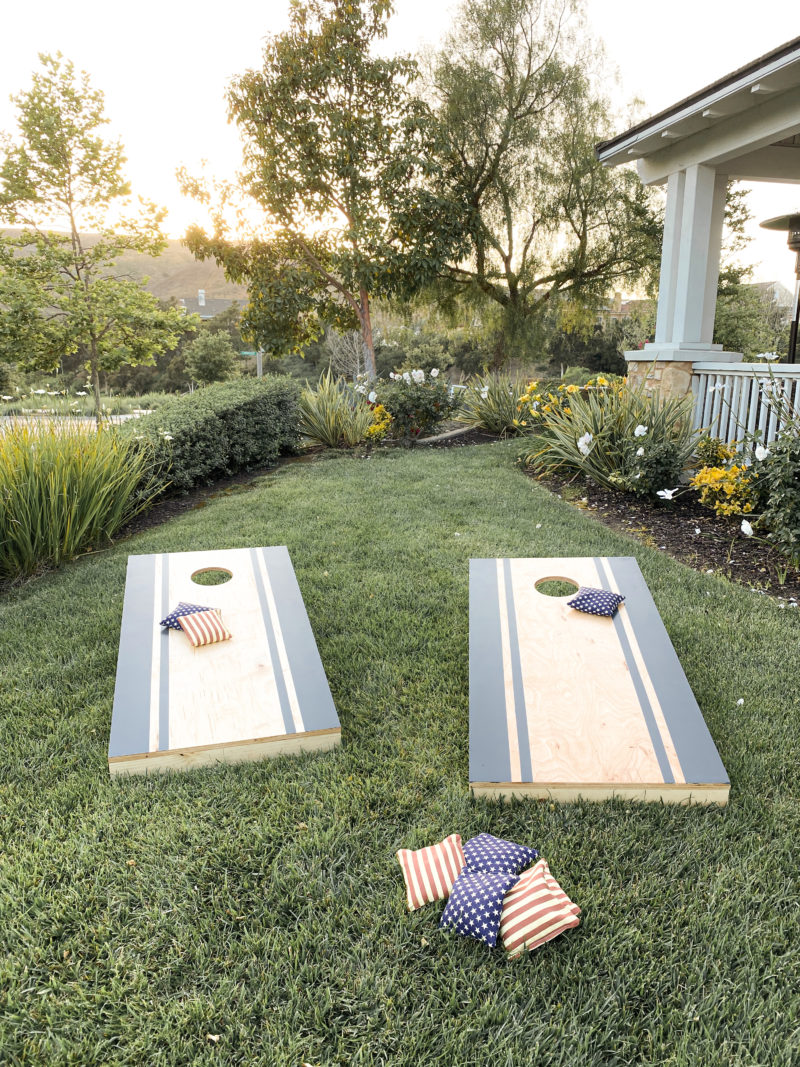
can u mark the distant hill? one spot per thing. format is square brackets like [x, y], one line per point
[176, 273]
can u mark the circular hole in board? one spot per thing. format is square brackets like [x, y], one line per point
[556, 586]
[212, 576]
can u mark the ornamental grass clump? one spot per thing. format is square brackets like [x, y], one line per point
[621, 438]
[492, 403]
[335, 414]
[65, 489]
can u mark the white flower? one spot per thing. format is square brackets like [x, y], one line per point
[740, 701]
[538, 526]
[81, 392]
[639, 451]
[666, 494]
[7, 398]
[697, 529]
[746, 528]
[767, 355]
[373, 396]
[761, 452]
[418, 376]
[435, 372]
[484, 392]
[361, 388]
[640, 431]
[407, 377]
[585, 444]
[40, 392]
[392, 375]
[717, 387]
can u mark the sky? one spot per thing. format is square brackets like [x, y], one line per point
[164, 67]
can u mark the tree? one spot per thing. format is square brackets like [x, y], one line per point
[58, 294]
[520, 121]
[210, 358]
[336, 154]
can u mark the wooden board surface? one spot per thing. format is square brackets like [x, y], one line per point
[565, 704]
[263, 692]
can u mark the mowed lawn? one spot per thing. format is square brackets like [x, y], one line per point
[255, 914]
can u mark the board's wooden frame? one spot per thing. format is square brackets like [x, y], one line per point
[263, 693]
[565, 705]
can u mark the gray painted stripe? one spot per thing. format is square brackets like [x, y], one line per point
[130, 719]
[489, 757]
[656, 739]
[697, 753]
[308, 674]
[283, 696]
[163, 681]
[520, 710]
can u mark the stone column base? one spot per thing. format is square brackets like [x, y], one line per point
[667, 368]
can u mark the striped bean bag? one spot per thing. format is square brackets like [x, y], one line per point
[535, 910]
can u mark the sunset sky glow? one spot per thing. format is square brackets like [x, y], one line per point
[164, 68]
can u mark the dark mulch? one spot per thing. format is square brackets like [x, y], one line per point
[688, 532]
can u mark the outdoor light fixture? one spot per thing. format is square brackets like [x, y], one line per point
[790, 223]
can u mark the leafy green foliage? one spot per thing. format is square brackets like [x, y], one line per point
[492, 403]
[417, 404]
[58, 295]
[336, 153]
[334, 414]
[210, 358]
[621, 438]
[65, 490]
[778, 484]
[220, 430]
[520, 121]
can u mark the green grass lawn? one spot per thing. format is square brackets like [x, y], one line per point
[256, 915]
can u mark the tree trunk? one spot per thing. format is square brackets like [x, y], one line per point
[95, 373]
[366, 334]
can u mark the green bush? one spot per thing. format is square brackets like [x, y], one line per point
[621, 438]
[778, 480]
[334, 414]
[492, 403]
[64, 489]
[221, 429]
[417, 402]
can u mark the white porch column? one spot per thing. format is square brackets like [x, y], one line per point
[673, 214]
[687, 295]
[698, 264]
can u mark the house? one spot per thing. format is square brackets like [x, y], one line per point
[205, 307]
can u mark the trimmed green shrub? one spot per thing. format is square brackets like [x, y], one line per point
[416, 402]
[222, 429]
[66, 488]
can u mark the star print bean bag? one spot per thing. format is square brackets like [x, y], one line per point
[596, 601]
[429, 872]
[476, 904]
[488, 853]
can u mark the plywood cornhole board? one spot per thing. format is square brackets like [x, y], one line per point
[565, 705]
[263, 693]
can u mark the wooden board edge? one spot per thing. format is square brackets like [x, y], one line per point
[566, 793]
[228, 752]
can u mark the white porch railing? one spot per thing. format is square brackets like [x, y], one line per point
[730, 399]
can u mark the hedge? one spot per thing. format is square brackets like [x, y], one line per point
[221, 429]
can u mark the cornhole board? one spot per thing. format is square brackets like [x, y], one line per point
[564, 705]
[263, 693]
